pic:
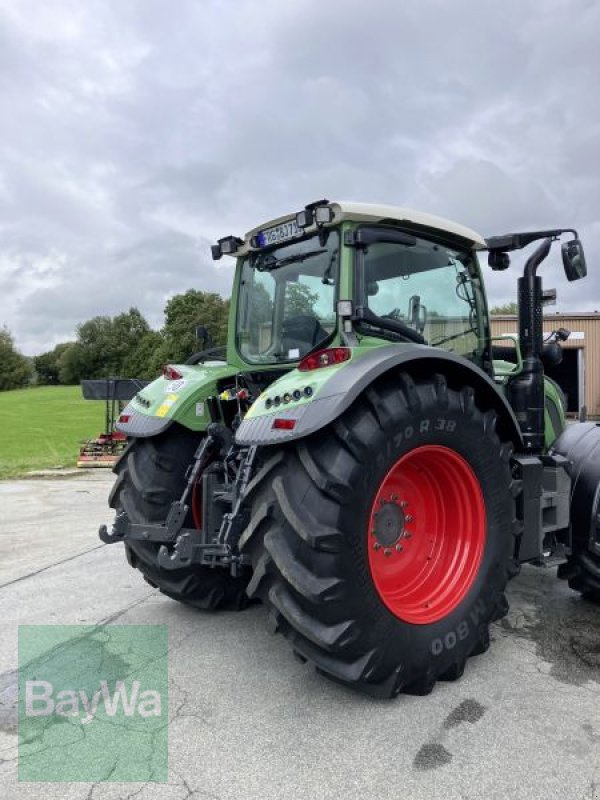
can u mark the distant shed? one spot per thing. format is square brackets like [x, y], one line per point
[579, 373]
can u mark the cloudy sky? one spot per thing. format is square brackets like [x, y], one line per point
[134, 133]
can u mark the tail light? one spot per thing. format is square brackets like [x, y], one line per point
[324, 358]
[171, 374]
[280, 424]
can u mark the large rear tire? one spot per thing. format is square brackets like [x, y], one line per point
[382, 545]
[580, 444]
[150, 475]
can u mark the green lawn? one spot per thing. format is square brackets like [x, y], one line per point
[41, 427]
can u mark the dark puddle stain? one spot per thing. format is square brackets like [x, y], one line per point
[431, 756]
[565, 627]
[591, 733]
[434, 754]
[467, 711]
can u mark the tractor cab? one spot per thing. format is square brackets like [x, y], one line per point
[344, 273]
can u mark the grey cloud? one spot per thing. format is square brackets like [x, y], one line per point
[132, 136]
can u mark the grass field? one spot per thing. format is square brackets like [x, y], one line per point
[41, 427]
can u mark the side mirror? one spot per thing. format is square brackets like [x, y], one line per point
[573, 260]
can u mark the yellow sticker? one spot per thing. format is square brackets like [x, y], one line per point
[172, 398]
[163, 410]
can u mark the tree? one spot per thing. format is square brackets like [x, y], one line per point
[15, 369]
[299, 300]
[144, 360]
[183, 313]
[104, 347]
[128, 331]
[71, 364]
[507, 308]
[47, 365]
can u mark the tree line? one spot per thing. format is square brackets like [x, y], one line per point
[124, 345]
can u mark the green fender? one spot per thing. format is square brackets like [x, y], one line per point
[339, 385]
[165, 401]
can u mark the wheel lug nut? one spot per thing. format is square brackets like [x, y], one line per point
[387, 552]
[398, 548]
[376, 546]
[403, 504]
[409, 518]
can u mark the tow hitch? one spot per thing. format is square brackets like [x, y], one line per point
[223, 499]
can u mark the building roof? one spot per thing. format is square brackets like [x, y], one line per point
[554, 315]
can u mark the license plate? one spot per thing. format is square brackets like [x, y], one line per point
[279, 233]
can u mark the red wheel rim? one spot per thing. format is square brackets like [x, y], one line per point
[426, 534]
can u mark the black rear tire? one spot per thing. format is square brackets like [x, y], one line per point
[308, 539]
[150, 475]
[580, 445]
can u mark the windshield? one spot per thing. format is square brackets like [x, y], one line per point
[432, 288]
[287, 300]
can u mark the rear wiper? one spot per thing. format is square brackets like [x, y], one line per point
[454, 336]
[295, 259]
[326, 279]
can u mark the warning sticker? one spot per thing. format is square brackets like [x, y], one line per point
[199, 409]
[169, 401]
[175, 386]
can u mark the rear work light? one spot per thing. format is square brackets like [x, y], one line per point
[171, 374]
[280, 424]
[124, 418]
[324, 358]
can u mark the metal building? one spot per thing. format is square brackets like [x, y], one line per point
[579, 373]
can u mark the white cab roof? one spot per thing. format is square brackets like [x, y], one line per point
[372, 212]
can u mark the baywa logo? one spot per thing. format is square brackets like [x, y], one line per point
[93, 703]
[40, 701]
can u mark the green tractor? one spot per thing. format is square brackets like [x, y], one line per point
[363, 457]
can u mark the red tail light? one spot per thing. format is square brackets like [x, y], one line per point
[124, 418]
[280, 424]
[171, 374]
[324, 358]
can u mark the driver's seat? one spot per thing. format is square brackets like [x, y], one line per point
[302, 333]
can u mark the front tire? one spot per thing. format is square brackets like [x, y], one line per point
[354, 592]
[150, 476]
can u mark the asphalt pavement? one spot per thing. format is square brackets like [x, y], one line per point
[249, 722]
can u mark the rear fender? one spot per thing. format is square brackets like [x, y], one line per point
[162, 402]
[348, 381]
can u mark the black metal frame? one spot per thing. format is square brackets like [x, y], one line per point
[183, 547]
[113, 391]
